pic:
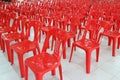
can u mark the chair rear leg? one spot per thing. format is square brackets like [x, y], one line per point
[64, 49]
[34, 52]
[60, 72]
[12, 57]
[97, 54]
[53, 72]
[26, 72]
[118, 46]
[114, 47]
[109, 41]
[68, 42]
[71, 53]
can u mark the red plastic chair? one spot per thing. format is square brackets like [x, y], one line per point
[18, 35]
[45, 62]
[88, 44]
[64, 36]
[27, 45]
[112, 34]
[7, 28]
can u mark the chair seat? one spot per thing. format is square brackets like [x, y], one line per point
[46, 29]
[2, 30]
[43, 62]
[70, 35]
[12, 36]
[87, 44]
[65, 35]
[111, 34]
[2, 24]
[24, 46]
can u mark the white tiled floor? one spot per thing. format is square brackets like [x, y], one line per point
[108, 67]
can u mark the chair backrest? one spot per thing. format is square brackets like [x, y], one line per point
[12, 16]
[75, 22]
[15, 25]
[1, 16]
[33, 25]
[6, 20]
[56, 51]
[24, 24]
[22, 21]
[94, 29]
[116, 21]
[57, 48]
[46, 43]
[94, 14]
[107, 26]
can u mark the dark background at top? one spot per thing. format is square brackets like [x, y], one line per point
[6, 0]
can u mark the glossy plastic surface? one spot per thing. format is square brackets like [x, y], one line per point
[17, 35]
[88, 44]
[112, 34]
[44, 62]
[6, 28]
[27, 45]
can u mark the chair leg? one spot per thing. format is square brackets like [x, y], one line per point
[64, 49]
[53, 72]
[118, 46]
[53, 39]
[109, 41]
[26, 72]
[39, 77]
[71, 53]
[114, 47]
[21, 64]
[79, 34]
[2, 45]
[12, 57]
[68, 42]
[34, 52]
[74, 39]
[97, 54]
[40, 37]
[8, 50]
[88, 61]
[38, 48]
[60, 72]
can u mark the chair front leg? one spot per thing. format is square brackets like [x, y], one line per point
[114, 47]
[2, 44]
[21, 64]
[8, 50]
[39, 77]
[26, 72]
[88, 61]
